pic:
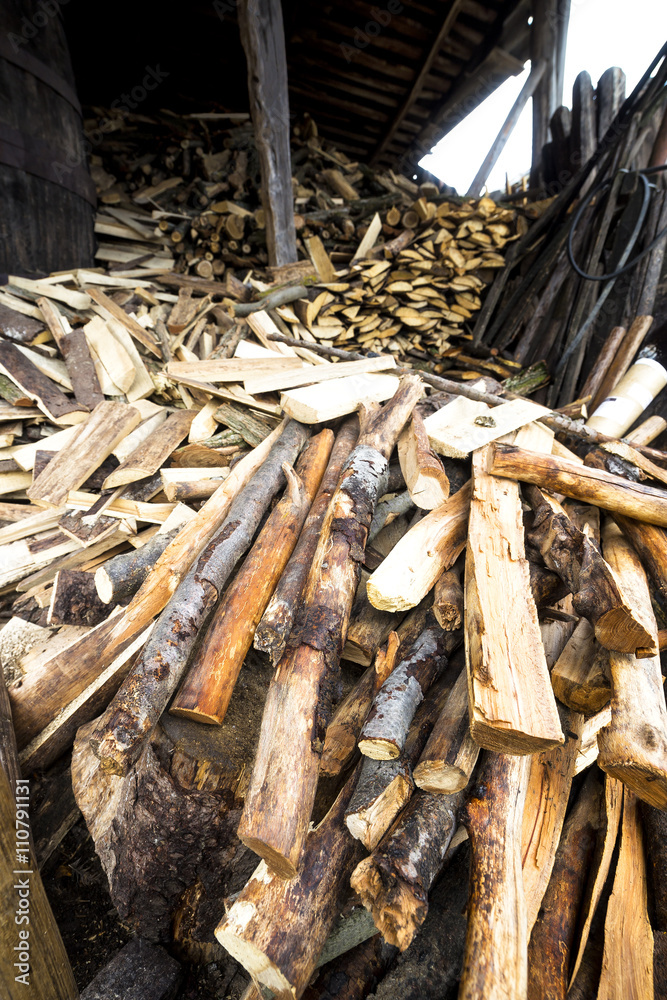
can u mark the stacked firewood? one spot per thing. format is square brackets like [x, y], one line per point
[201, 552]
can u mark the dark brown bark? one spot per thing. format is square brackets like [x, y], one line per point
[448, 601]
[139, 971]
[129, 720]
[352, 976]
[50, 399]
[655, 832]
[651, 545]
[74, 600]
[368, 630]
[276, 623]
[80, 368]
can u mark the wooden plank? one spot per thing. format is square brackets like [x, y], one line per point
[135, 330]
[38, 387]
[458, 439]
[79, 301]
[153, 452]
[106, 426]
[136, 437]
[316, 373]
[234, 369]
[313, 404]
[263, 39]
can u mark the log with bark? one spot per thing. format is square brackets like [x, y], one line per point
[282, 787]
[121, 736]
[207, 688]
[277, 621]
[448, 600]
[139, 971]
[119, 578]
[580, 676]
[450, 755]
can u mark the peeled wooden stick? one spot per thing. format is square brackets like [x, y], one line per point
[424, 474]
[134, 711]
[495, 964]
[384, 731]
[419, 558]
[448, 600]
[394, 882]
[282, 786]
[581, 482]
[512, 706]
[450, 755]
[580, 676]
[596, 594]
[553, 935]
[276, 622]
[622, 359]
[276, 928]
[121, 576]
[627, 963]
[343, 731]
[633, 747]
[207, 689]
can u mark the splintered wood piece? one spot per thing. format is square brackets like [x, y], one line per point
[432, 545]
[69, 469]
[320, 259]
[459, 438]
[343, 731]
[33, 960]
[394, 882]
[284, 779]
[38, 387]
[276, 928]
[554, 932]
[511, 702]
[627, 962]
[152, 453]
[276, 622]
[549, 783]
[111, 308]
[596, 593]
[314, 404]
[450, 755]
[81, 369]
[581, 482]
[126, 726]
[495, 963]
[207, 689]
[311, 374]
[633, 747]
[448, 600]
[384, 731]
[580, 676]
[424, 474]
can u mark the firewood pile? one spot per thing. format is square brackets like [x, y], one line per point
[359, 665]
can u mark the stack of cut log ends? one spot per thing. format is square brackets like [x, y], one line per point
[459, 612]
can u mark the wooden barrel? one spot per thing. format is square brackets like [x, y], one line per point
[47, 197]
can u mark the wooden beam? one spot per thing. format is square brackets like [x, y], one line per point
[262, 36]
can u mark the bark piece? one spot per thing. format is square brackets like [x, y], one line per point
[139, 971]
[450, 755]
[74, 600]
[276, 928]
[424, 473]
[138, 705]
[580, 677]
[355, 974]
[81, 369]
[71, 467]
[207, 689]
[284, 778]
[581, 482]
[394, 882]
[39, 388]
[152, 453]
[418, 560]
[384, 731]
[553, 935]
[627, 963]
[596, 593]
[633, 747]
[496, 951]
[276, 622]
[512, 707]
[448, 600]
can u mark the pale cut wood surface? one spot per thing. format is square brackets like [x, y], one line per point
[153, 452]
[422, 470]
[112, 356]
[459, 439]
[313, 404]
[308, 375]
[234, 369]
[135, 330]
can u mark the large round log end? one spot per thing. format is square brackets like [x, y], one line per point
[431, 776]
[379, 749]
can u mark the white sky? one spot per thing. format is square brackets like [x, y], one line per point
[602, 33]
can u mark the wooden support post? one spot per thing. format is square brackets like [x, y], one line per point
[547, 37]
[262, 36]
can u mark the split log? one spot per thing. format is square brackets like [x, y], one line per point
[32, 953]
[448, 600]
[512, 706]
[282, 787]
[450, 755]
[384, 731]
[151, 454]
[596, 594]
[74, 600]
[119, 578]
[496, 950]
[343, 731]
[276, 622]
[633, 747]
[394, 882]
[130, 718]
[651, 545]
[581, 482]
[622, 358]
[388, 511]
[627, 963]
[549, 783]
[139, 971]
[81, 369]
[598, 372]
[419, 559]
[553, 935]
[580, 677]
[424, 473]
[276, 928]
[207, 689]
